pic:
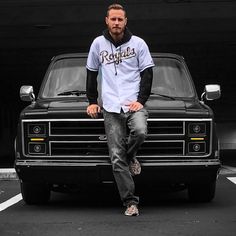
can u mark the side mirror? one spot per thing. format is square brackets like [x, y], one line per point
[27, 93]
[211, 92]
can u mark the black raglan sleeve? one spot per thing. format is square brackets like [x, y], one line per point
[91, 86]
[145, 85]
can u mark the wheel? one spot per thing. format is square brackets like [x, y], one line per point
[202, 192]
[35, 193]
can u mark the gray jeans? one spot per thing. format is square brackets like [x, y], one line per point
[122, 151]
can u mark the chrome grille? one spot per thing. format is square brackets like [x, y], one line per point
[79, 148]
[156, 148]
[88, 127]
[85, 138]
[82, 127]
[149, 148]
[165, 127]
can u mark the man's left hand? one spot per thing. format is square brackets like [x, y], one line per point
[135, 106]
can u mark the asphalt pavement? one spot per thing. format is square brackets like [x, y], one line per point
[98, 211]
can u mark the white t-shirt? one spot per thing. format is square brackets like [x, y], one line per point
[120, 70]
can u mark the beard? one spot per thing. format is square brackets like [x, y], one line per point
[117, 30]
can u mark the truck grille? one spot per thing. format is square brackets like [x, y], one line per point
[79, 148]
[63, 128]
[100, 148]
[165, 127]
[87, 138]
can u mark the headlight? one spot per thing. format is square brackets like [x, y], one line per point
[35, 137]
[37, 148]
[197, 147]
[36, 130]
[198, 137]
[197, 129]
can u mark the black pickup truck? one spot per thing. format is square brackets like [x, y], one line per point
[58, 144]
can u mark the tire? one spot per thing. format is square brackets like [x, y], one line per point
[202, 192]
[35, 193]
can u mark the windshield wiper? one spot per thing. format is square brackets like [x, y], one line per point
[163, 95]
[72, 92]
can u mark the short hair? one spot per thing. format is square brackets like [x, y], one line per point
[115, 6]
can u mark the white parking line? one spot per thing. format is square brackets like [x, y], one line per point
[10, 202]
[232, 179]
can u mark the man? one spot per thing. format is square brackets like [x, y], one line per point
[126, 65]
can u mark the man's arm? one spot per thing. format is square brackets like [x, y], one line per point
[91, 86]
[145, 85]
[92, 93]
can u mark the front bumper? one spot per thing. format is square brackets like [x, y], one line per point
[74, 172]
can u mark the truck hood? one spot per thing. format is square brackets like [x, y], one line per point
[157, 107]
[177, 108]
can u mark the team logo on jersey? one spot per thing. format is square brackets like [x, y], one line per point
[117, 57]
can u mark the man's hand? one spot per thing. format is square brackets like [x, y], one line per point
[93, 110]
[135, 106]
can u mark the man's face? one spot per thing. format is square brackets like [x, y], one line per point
[116, 21]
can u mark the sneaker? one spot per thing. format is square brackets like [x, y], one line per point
[134, 167]
[132, 210]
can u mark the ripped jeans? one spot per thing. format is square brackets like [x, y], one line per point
[122, 151]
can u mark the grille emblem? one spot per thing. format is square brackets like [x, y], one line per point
[102, 137]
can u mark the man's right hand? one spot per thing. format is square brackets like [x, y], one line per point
[93, 110]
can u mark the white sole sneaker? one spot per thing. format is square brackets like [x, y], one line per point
[134, 167]
[132, 210]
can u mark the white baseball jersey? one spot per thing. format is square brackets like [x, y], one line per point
[120, 70]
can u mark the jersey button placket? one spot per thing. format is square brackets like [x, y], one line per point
[117, 74]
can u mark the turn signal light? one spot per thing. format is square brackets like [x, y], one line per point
[37, 139]
[197, 139]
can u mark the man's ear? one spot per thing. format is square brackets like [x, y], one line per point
[126, 19]
[106, 20]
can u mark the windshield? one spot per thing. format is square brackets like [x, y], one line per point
[170, 78]
[67, 77]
